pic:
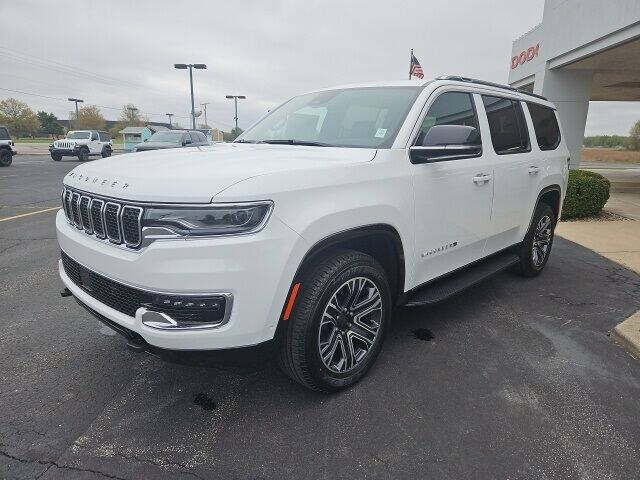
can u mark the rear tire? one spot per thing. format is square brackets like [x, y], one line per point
[56, 157]
[106, 152]
[5, 158]
[83, 154]
[536, 246]
[338, 322]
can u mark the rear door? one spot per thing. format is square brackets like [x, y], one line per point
[452, 197]
[516, 167]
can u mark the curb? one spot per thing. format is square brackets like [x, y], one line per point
[627, 334]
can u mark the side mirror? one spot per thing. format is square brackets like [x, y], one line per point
[447, 142]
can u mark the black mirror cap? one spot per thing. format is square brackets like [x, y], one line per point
[451, 135]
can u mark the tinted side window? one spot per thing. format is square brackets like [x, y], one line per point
[94, 136]
[4, 134]
[545, 125]
[451, 108]
[507, 125]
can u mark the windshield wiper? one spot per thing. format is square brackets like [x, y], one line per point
[244, 141]
[291, 141]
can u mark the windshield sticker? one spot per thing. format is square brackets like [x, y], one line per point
[381, 133]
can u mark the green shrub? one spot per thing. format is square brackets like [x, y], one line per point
[587, 192]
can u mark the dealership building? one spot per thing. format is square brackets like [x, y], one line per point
[584, 50]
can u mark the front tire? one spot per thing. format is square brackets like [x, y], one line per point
[106, 152]
[5, 158]
[56, 157]
[536, 246]
[338, 322]
[83, 154]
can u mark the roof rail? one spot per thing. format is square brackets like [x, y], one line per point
[488, 84]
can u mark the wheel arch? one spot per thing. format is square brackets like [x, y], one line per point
[552, 196]
[381, 241]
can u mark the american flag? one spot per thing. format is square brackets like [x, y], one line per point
[416, 69]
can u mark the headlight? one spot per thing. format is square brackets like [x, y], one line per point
[210, 220]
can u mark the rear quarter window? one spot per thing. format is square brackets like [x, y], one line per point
[545, 125]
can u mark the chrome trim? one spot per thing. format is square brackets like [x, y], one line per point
[171, 324]
[77, 224]
[102, 226]
[139, 223]
[87, 228]
[68, 204]
[118, 239]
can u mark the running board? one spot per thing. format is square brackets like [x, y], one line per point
[443, 288]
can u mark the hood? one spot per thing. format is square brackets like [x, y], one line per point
[197, 174]
[156, 146]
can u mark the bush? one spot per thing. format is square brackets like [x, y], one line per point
[587, 192]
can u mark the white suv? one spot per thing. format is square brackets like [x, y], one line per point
[82, 144]
[309, 229]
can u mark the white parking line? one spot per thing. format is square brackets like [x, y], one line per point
[28, 214]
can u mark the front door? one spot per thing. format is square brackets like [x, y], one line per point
[94, 143]
[453, 197]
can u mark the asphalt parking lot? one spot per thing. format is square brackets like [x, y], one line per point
[516, 378]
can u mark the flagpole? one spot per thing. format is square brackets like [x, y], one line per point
[410, 63]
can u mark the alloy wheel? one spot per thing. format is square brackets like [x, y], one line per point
[541, 241]
[350, 324]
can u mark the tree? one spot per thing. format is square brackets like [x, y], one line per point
[633, 141]
[18, 118]
[129, 117]
[89, 118]
[231, 136]
[49, 124]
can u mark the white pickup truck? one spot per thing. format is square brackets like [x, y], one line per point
[316, 223]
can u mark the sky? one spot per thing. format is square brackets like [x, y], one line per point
[117, 52]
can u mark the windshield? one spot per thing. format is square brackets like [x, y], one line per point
[354, 117]
[78, 135]
[171, 137]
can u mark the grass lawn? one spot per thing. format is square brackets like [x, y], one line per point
[609, 155]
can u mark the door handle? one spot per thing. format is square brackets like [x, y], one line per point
[533, 170]
[481, 179]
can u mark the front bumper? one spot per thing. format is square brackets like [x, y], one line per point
[256, 269]
[64, 151]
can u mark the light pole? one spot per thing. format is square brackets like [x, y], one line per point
[191, 66]
[169, 115]
[204, 107]
[235, 100]
[77, 101]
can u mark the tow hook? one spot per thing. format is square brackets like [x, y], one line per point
[65, 292]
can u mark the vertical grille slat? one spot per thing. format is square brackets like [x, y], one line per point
[75, 200]
[131, 225]
[84, 214]
[95, 209]
[114, 221]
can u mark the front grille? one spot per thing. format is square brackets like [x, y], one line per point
[120, 297]
[113, 220]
